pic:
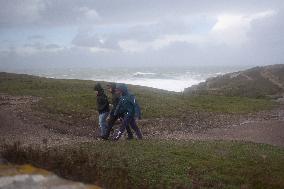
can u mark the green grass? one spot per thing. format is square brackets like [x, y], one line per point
[161, 164]
[147, 164]
[255, 87]
[77, 98]
[228, 104]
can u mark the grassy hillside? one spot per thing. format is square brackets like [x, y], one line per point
[160, 164]
[146, 163]
[77, 98]
[255, 82]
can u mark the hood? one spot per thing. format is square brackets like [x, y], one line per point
[98, 88]
[122, 87]
[112, 86]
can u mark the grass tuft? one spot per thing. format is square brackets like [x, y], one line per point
[160, 164]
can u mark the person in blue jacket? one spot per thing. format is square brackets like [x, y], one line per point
[112, 119]
[128, 108]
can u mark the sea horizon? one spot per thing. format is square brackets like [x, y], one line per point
[174, 79]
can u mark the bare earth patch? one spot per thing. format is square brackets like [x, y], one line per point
[20, 122]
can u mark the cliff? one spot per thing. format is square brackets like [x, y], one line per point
[254, 82]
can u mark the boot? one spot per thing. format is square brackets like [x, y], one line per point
[119, 134]
[138, 134]
[129, 135]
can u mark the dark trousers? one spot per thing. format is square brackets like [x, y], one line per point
[129, 120]
[111, 122]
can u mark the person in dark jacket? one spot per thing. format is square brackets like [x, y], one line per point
[126, 108]
[112, 118]
[102, 107]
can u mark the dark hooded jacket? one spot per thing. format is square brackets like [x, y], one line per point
[126, 104]
[102, 101]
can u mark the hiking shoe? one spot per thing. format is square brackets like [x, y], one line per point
[118, 135]
[104, 138]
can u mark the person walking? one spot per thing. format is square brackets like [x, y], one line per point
[126, 108]
[103, 108]
[112, 118]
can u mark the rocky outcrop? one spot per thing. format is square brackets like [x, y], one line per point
[29, 177]
[254, 82]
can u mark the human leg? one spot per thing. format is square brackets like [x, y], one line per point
[136, 129]
[125, 123]
[111, 121]
[102, 123]
[129, 132]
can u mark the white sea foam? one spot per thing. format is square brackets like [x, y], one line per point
[165, 84]
[143, 73]
[170, 79]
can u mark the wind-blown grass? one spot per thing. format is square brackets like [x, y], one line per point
[161, 164]
[76, 97]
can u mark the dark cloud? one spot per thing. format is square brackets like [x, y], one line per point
[267, 39]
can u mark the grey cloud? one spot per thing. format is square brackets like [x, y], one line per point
[145, 32]
[268, 32]
[66, 12]
[36, 45]
[151, 31]
[46, 13]
[95, 40]
[35, 37]
[267, 39]
[144, 10]
[20, 12]
[52, 46]
[103, 24]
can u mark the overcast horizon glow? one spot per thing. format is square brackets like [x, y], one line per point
[92, 33]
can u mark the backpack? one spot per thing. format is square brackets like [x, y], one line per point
[136, 107]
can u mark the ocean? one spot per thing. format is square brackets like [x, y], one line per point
[167, 78]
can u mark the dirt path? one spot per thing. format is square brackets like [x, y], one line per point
[268, 75]
[268, 132]
[19, 122]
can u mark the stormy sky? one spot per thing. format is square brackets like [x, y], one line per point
[107, 33]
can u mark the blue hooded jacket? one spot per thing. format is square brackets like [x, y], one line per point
[127, 104]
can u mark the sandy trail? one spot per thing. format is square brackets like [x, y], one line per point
[18, 122]
[267, 132]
